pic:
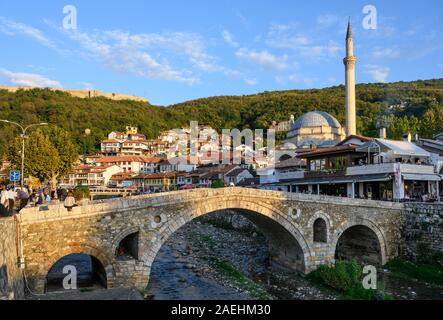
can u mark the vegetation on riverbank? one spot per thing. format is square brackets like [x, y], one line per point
[235, 277]
[429, 272]
[346, 278]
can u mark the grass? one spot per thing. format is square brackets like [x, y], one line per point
[429, 272]
[228, 272]
[345, 277]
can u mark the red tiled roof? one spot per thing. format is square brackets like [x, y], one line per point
[110, 141]
[156, 175]
[329, 150]
[123, 176]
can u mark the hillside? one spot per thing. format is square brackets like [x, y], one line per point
[420, 109]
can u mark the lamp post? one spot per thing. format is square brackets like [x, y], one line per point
[23, 136]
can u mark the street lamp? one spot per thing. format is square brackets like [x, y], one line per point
[23, 136]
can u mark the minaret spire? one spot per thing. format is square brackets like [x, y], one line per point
[349, 62]
[349, 33]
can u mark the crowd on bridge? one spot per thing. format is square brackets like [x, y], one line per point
[14, 198]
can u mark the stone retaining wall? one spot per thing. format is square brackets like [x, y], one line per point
[11, 280]
[423, 232]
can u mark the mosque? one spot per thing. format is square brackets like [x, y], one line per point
[319, 128]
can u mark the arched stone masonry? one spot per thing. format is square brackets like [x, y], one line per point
[287, 220]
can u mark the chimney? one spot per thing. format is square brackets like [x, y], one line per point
[407, 137]
[382, 133]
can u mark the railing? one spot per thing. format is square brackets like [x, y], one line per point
[325, 173]
[111, 190]
[389, 167]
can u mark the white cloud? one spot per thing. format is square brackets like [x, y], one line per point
[263, 58]
[147, 54]
[282, 36]
[378, 73]
[13, 28]
[28, 79]
[331, 49]
[86, 85]
[251, 82]
[227, 36]
[327, 20]
[379, 52]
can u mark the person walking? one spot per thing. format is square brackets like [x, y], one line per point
[23, 196]
[63, 194]
[69, 201]
[12, 195]
[4, 203]
[48, 198]
[40, 198]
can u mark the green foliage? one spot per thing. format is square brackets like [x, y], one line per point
[49, 153]
[41, 157]
[66, 149]
[430, 272]
[217, 184]
[346, 278]
[81, 193]
[415, 106]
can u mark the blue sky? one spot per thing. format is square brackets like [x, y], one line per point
[173, 51]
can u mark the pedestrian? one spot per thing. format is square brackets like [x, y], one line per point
[23, 197]
[4, 203]
[59, 193]
[40, 198]
[70, 201]
[48, 198]
[63, 194]
[12, 195]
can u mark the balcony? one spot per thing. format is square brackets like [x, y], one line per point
[389, 168]
[325, 173]
[284, 175]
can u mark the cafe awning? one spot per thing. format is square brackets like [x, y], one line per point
[421, 177]
[336, 180]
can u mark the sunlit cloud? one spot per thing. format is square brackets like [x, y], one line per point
[27, 79]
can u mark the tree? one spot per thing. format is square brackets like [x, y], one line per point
[66, 150]
[49, 153]
[41, 157]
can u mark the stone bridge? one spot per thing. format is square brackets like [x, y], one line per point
[302, 230]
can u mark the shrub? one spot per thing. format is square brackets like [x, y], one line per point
[346, 278]
[81, 193]
[218, 184]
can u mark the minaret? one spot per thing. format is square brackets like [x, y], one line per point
[349, 62]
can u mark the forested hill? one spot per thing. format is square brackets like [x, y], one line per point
[416, 106]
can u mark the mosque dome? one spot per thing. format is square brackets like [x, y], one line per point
[316, 119]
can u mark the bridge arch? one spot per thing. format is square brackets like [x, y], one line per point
[284, 236]
[101, 256]
[352, 234]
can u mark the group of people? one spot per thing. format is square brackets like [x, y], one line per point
[16, 198]
[12, 197]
